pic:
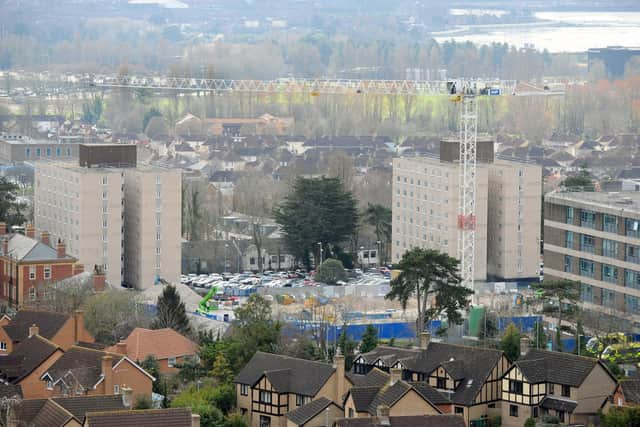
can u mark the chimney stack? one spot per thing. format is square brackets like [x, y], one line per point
[45, 238]
[195, 420]
[62, 249]
[382, 415]
[395, 375]
[121, 348]
[30, 231]
[78, 323]
[107, 373]
[425, 338]
[126, 396]
[3, 228]
[524, 345]
[99, 279]
[338, 364]
[33, 330]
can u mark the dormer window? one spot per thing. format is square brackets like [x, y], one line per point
[441, 383]
[515, 386]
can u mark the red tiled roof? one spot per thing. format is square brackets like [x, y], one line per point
[159, 343]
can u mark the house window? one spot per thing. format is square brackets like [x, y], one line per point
[587, 268]
[48, 151]
[632, 279]
[244, 390]
[513, 410]
[265, 421]
[3, 345]
[32, 272]
[588, 219]
[265, 396]
[105, 180]
[28, 152]
[587, 243]
[38, 152]
[252, 261]
[32, 293]
[515, 387]
[566, 391]
[610, 223]
[632, 227]
[561, 416]
[609, 248]
[49, 385]
[441, 383]
[459, 410]
[116, 389]
[172, 362]
[609, 273]
[351, 413]
[569, 215]
[569, 239]
[551, 389]
[299, 400]
[47, 272]
[568, 264]
[632, 254]
[631, 304]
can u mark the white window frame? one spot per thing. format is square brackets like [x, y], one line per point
[3, 346]
[171, 362]
[244, 390]
[32, 293]
[47, 272]
[116, 389]
[32, 272]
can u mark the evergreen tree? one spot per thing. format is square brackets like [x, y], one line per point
[10, 208]
[221, 370]
[510, 342]
[171, 312]
[346, 345]
[331, 272]
[369, 339]
[151, 366]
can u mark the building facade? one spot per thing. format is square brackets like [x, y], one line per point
[84, 208]
[125, 220]
[594, 238]
[508, 202]
[20, 148]
[152, 224]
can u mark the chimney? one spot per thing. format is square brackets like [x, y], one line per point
[78, 323]
[33, 330]
[107, 374]
[395, 375]
[425, 338]
[77, 269]
[195, 420]
[5, 246]
[30, 231]
[3, 228]
[45, 238]
[121, 347]
[126, 396]
[99, 279]
[338, 364]
[62, 249]
[524, 345]
[382, 415]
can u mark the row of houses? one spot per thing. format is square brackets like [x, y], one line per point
[472, 385]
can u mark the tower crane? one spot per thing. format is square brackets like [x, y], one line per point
[462, 91]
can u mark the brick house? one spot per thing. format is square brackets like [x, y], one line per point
[627, 393]
[27, 265]
[28, 361]
[62, 329]
[85, 371]
[270, 386]
[167, 346]
[570, 387]
[469, 377]
[63, 411]
[168, 417]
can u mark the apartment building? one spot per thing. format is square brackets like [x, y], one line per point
[594, 238]
[21, 148]
[152, 223]
[508, 202]
[83, 208]
[113, 214]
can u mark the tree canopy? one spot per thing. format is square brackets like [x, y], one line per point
[561, 293]
[369, 339]
[330, 272]
[171, 312]
[431, 277]
[510, 342]
[379, 217]
[11, 209]
[317, 210]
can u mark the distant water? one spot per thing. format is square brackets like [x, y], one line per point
[559, 32]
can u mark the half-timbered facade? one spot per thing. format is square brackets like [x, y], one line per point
[469, 377]
[563, 385]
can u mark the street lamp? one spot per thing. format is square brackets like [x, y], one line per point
[226, 248]
[320, 246]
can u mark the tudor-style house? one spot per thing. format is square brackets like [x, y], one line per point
[570, 387]
[469, 377]
[271, 385]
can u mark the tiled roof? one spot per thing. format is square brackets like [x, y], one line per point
[303, 377]
[170, 417]
[406, 421]
[388, 396]
[560, 368]
[48, 324]
[51, 414]
[631, 390]
[159, 343]
[26, 357]
[471, 365]
[429, 393]
[305, 413]
[368, 398]
[25, 248]
[80, 405]
[9, 391]
[28, 409]
[363, 396]
[555, 403]
[84, 364]
[375, 377]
